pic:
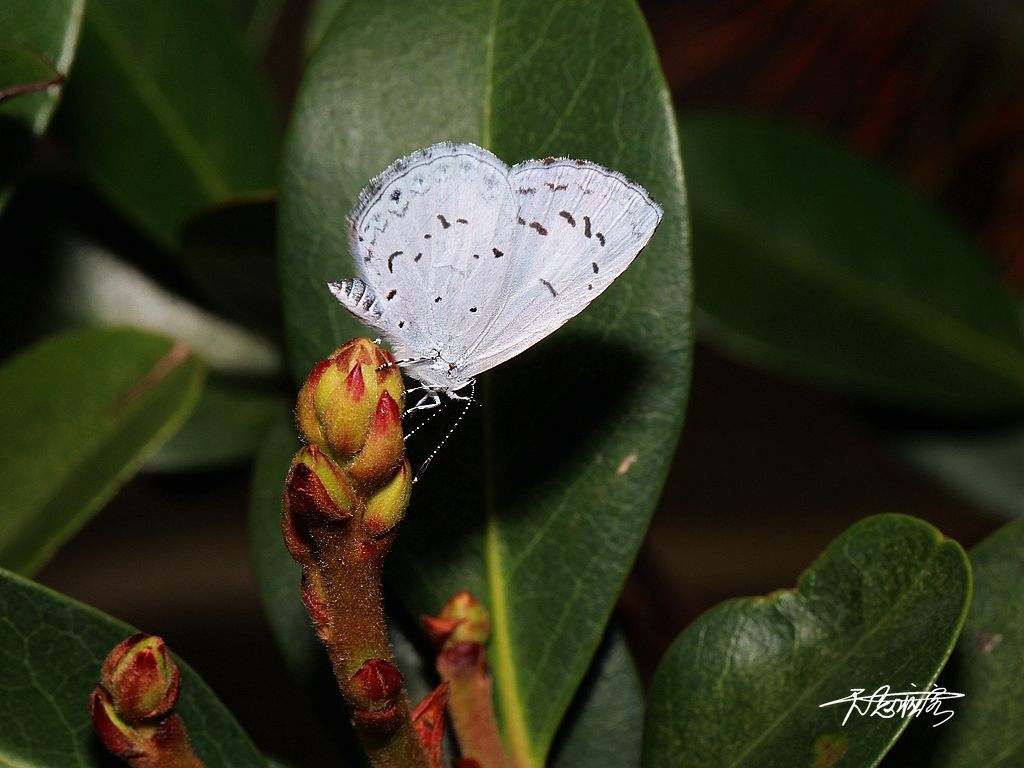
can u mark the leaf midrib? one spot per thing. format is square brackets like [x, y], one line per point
[517, 740]
[181, 137]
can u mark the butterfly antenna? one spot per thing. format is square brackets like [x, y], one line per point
[423, 423]
[469, 402]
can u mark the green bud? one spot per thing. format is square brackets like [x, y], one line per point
[141, 677]
[338, 401]
[386, 507]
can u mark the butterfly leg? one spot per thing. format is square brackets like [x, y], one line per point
[430, 400]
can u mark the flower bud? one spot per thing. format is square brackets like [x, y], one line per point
[475, 621]
[385, 444]
[117, 736]
[141, 677]
[342, 393]
[386, 507]
[375, 686]
[316, 486]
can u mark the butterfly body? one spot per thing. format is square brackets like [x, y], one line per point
[464, 262]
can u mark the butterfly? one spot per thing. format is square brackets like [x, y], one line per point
[463, 262]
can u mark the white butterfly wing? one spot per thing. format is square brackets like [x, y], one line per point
[578, 227]
[432, 243]
[464, 263]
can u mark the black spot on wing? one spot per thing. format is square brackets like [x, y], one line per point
[497, 254]
[550, 287]
[437, 299]
[539, 227]
[418, 256]
[600, 238]
[527, 190]
[472, 309]
[427, 236]
[391, 260]
[586, 226]
[461, 221]
[391, 294]
[593, 266]
[555, 187]
[444, 222]
[568, 217]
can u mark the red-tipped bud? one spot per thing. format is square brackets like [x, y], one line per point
[375, 686]
[386, 507]
[474, 622]
[317, 487]
[117, 736]
[341, 394]
[428, 720]
[141, 677]
[384, 446]
[439, 629]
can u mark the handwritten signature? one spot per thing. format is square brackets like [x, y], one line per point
[884, 703]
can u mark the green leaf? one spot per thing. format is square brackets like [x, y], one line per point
[984, 465]
[810, 260]
[93, 286]
[228, 252]
[987, 666]
[166, 111]
[540, 500]
[743, 684]
[227, 426]
[37, 43]
[256, 19]
[604, 726]
[320, 17]
[52, 650]
[79, 413]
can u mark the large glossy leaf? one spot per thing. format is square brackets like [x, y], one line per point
[987, 667]
[229, 253]
[52, 650]
[37, 43]
[810, 260]
[984, 465]
[93, 286]
[166, 111]
[603, 726]
[743, 685]
[79, 414]
[540, 500]
[227, 426]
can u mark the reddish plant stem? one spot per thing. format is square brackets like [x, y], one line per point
[355, 633]
[463, 665]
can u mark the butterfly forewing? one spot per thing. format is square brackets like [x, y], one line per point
[430, 238]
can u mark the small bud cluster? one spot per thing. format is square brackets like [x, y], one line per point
[353, 465]
[133, 706]
[347, 489]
